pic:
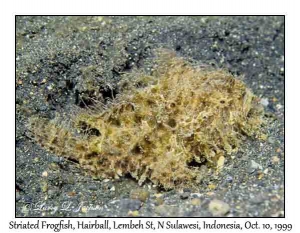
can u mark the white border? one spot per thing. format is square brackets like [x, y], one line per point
[10, 8]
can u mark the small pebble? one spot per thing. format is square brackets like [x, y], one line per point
[93, 188]
[258, 199]
[264, 102]
[52, 193]
[210, 194]
[278, 150]
[134, 213]
[275, 160]
[36, 159]
[275, 198]
[99, 19]
[260, 175]
[266, 171]
[54, 166]
[71, 194]
[281, 70]
[196, 195]
[271, 140]
[184, 195]
[70, 180]
[253, 166]
[159, 201]
[211, 186]
[57, 159]
[218, 208]
[158, 195]
[43, 81]
[43, 108]
[84, 210]
[139, 194]
[45, 174]
[44, 187]
[188, 190]
[195, 201]
[229, 179]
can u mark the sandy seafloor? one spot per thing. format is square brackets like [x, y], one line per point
[53, 52]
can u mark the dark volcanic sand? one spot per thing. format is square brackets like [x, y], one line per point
[62, 60]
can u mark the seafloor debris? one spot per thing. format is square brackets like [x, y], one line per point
[181, 118]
